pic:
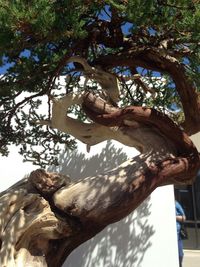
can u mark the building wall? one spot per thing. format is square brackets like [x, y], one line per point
[189, 197]
[196, 140]
[147, 237]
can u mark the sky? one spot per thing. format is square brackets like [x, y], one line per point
[12, 167]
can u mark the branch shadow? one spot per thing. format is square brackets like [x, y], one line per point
[76, 165]
[120, 244]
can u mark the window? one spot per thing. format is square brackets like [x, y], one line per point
[189, 198]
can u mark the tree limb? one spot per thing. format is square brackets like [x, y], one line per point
[159, 60]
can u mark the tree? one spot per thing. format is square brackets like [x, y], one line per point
[141, 64]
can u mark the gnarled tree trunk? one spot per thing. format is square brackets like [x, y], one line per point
[46, 216]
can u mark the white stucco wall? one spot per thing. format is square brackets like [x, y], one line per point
[140, 240]
[196, 140]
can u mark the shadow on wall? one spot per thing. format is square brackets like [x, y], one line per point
[76, 165]
[122, 244]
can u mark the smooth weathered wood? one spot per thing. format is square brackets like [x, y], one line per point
[45, 216]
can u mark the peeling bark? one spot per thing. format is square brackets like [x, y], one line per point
[46, 216]
[161, 60]
[27, 224]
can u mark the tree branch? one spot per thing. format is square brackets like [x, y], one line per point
[160, 61]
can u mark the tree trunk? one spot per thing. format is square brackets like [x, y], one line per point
[46, 216]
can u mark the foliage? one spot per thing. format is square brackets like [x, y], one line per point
[37, 37]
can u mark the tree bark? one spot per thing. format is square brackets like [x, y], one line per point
[46, 216]
[161, 60]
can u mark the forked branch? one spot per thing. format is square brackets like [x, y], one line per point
[69, 213]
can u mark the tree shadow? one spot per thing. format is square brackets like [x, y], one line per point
[76, 165]
[120, 244]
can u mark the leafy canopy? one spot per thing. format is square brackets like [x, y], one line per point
[37, 37]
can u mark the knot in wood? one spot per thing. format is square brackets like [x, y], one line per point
[46, 182]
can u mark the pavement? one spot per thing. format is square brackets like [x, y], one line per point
[191, 258]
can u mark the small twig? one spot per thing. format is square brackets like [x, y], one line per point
[138, 80]
[128, 88]
[26, 99]
[109, 15]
